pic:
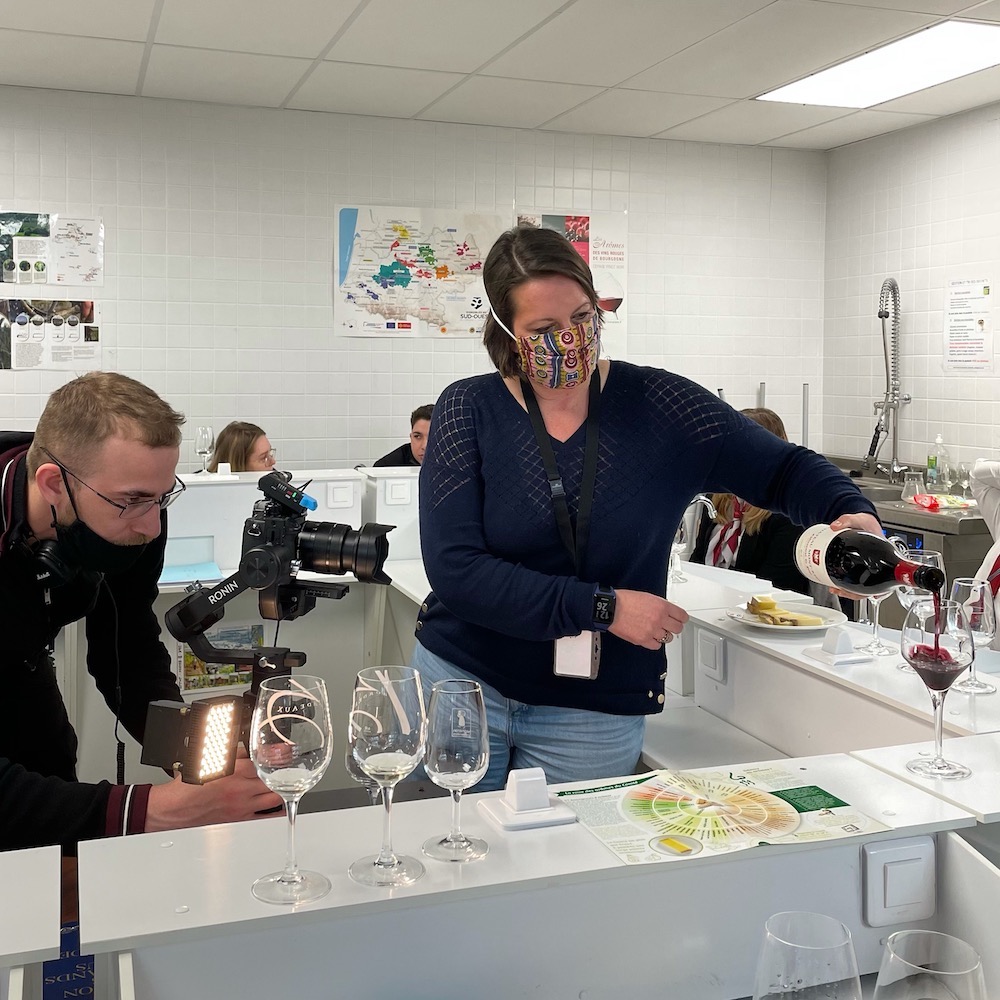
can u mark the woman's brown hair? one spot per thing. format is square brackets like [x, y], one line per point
[753, 517]
[234, 445]
[520, 255]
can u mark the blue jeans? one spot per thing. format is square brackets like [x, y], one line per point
[569, 744]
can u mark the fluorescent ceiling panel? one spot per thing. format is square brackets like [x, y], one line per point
[945, 52]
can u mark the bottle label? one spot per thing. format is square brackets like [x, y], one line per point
[810, 553]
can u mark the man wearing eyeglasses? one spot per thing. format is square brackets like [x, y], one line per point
[83, 535]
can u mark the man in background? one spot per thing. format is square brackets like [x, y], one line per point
[411, 453]
[82, 538]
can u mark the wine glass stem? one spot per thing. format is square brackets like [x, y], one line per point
[937, 700]
[972, 666]
[373, 791]
[204, 462]
[386, 859]
[291, 872]
[456, 805]
[876, 603]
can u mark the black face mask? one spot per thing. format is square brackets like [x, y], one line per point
[85, 548]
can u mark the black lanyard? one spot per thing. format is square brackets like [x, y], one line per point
[575, 541]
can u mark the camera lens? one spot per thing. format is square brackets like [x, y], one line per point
[325, 547]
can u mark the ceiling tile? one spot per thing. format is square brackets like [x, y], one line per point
[941, 7]
[450, 35]
[63, 62]
[784, 42]
[225, 77]
[493, 100]
[257, 27]
[751, 122]
[948, 98]
[851, 128]
[633, 112]
[599, 43]
[370, 90]
[985, 12]
[124, 19]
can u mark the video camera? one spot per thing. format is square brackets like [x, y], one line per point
[278, 544]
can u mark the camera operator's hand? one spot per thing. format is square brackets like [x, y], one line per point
[239, 796]
[645, 619]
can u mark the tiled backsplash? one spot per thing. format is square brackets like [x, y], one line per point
[220, 220]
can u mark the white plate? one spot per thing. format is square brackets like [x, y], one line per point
[829, 615]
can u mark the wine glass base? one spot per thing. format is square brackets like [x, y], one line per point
[275, 888]
[973, 685]
[938, 767]
[878, 648]
[405, 871]
[464, 849]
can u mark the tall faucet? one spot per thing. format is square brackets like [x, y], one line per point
[887, 409]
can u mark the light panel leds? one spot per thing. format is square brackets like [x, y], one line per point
[945, 52]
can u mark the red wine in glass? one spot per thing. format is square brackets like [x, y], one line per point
[611, 304]
[936, 667]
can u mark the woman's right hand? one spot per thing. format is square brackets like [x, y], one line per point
[645, 619]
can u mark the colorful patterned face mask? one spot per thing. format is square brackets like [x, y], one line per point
[560, 359]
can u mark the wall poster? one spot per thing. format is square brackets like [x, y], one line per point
[968, 326]
[57, 334]
[38, 248]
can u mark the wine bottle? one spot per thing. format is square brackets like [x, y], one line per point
[859, 562]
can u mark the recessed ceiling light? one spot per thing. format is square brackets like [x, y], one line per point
[944, 52]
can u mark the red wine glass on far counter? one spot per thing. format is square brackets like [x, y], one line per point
[937, 643]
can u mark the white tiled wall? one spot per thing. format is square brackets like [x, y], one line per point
[219, 255]
[922, 206]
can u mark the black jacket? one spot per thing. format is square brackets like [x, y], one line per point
[769, 554]
[40, 800]
[398, 457]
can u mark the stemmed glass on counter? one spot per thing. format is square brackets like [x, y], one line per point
[928, 965]
[458, 754]
[291, 742]
[875, 646]
[908, 596]
[976, 598]
[937, 643]
[204, 442]
[806, 956]
[388, 736]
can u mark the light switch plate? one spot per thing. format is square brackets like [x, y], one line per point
[397, 492]
[899, 881]
[339, 495]
[712, 656]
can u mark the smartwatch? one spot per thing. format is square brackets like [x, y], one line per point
[604, 608]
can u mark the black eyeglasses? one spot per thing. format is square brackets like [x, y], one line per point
[134, 508]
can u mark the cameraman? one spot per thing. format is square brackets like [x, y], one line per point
[83, 534]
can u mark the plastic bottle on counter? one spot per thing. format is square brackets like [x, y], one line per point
[859, 562]
[938, 466]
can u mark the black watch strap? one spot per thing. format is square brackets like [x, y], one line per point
[604, 608]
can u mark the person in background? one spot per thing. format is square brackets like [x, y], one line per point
[985, 483]
[411, 453]
[750, 539]
[82, 538]
[244, 446]
[549, 498]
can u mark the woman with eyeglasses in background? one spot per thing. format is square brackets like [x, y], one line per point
[244, 446]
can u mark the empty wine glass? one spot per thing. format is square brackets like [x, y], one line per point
[458, 753]
[907, 596]
[928, 965]
[875, 646]
[291, 742]
[976, 598]
[963, 472]
[388, 735]
[806, 955]
[204, 442]
[937, 643]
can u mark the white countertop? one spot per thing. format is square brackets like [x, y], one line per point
[148, 888]
[31, 910]
[878, 678]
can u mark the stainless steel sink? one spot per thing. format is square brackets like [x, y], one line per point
[881, 493]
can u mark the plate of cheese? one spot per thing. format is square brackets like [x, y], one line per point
[765, 612]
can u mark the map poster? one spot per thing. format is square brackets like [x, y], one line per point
[672, 815]
[39, 249]
[56, 334]
[968, 328]
[410, 272]
[601, 239]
